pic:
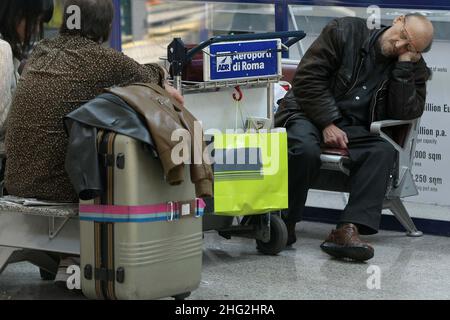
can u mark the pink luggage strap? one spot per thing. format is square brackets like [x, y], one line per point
[168, 211]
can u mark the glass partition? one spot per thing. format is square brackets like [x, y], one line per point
[149, 26]
[51, 28]
[312, 19]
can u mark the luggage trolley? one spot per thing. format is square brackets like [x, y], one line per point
[186, 65]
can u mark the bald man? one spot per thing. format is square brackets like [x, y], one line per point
[349, 77]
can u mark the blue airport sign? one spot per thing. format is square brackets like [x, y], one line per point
[242, 60]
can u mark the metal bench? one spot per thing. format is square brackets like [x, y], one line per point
[37, 232]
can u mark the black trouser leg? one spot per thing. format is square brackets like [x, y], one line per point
[372, 161]
[304, 163]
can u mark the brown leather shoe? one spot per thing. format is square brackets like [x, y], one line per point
[344, 242]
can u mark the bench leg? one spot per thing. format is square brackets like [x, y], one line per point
[43, 260]
[7, 256]
[398, 209]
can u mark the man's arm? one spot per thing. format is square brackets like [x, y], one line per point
[407, 89]
[311, 84]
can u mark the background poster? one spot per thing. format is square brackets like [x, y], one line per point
[431, 170]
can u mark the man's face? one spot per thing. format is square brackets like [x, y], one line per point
[400, 38]
[407, 37]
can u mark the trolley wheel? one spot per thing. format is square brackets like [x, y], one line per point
[278, 237]
[182, 296]
[45, 275]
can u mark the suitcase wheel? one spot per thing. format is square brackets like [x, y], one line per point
[182, 296]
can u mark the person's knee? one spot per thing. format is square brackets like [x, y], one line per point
[307, 153]
[304, 145]
[384, 151]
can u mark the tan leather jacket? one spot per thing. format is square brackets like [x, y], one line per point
[163, 116]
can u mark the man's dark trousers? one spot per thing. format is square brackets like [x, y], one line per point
[372, 161]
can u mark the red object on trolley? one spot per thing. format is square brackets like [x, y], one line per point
[240, 95]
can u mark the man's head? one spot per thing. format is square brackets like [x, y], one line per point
[409, 33]
[96, 19]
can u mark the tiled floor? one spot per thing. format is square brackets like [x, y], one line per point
[408, 268]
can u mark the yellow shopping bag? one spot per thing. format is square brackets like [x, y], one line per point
[250, 172]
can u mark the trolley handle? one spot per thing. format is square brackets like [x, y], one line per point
[295, 35]
[178, 55]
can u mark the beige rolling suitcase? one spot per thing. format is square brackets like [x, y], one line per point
[143, 238]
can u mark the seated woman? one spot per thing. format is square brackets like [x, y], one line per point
[62, 74]
[19, 24]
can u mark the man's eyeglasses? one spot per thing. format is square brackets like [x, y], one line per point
[404, 35]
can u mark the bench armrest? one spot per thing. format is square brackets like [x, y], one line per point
[375, 127]
[335, 163]
[405, 147]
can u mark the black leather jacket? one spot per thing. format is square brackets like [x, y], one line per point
[107, 112]
[331, 67]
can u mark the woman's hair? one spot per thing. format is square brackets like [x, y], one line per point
[96, 19]
[11, 14]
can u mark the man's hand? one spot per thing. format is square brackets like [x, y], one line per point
[174, 93]
[409, 56]
[335, 137]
